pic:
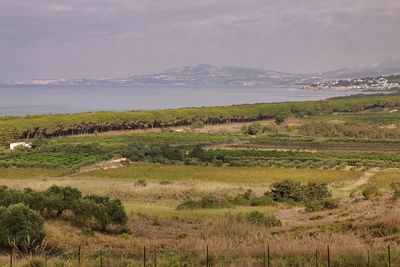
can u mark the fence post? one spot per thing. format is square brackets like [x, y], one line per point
[207, 262]
[316, 258]
[329, 256]
[79, 255]
[101, 258]
[269, 257]
[389, 257]
[368, 260]
[11, 256]
[155, 258]
[264, 261]
[144, 256]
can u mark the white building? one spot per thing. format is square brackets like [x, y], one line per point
[24, 144]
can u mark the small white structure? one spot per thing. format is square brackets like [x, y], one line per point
[24, 144]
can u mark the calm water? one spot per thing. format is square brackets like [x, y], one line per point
[24, 100]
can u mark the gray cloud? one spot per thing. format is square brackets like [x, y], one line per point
[115, 38]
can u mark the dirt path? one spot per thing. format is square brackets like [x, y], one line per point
[111, 164]
[360, 181]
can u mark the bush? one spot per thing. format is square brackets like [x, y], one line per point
[141, 182]
[101, 210]
[20, 224]
[287, 190]
[317, 191]
[258, 218]
[370, 191]
[262, 201]
[199, 153]
[321, 204]
[88, 211]
[253, 129]
[313, 206]
[280, 118]
[197, 125]
[9, 196]
[208, 202]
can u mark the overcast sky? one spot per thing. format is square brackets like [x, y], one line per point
[117, 38]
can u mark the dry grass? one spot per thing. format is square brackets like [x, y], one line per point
[254, 175]
[384, 179]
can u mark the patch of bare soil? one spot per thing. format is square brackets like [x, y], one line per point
[111, 164]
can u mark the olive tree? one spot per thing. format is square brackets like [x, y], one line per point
[20, 224]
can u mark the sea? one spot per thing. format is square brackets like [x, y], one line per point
[41, 99]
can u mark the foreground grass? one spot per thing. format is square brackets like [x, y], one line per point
[222, 174]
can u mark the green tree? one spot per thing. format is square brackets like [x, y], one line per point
[280, 118]
[61, 198]
[9, 196]
[287, 189]
[20, 224]
[199, 153]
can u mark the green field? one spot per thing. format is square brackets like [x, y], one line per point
[221, 174]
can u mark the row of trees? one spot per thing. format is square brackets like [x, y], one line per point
[22, 213]
[352, 130]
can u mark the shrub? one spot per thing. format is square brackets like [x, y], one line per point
[102, 210]
[197, 125]
[253, 129]
[370, 191]
[262, 201]
[317, 191]
[280, 118]
[258, 218]
[9, 196]
[199, 153]
[35, 200]
[208, 202]
[330, 203]
[141, 182]
[321, 204]
[287, 190]
[313, 206]
[20, 224]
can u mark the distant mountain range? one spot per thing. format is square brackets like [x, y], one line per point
[204, 74]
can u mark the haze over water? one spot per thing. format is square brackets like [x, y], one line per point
[23, 100]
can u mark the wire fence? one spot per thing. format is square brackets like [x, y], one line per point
[151, 257]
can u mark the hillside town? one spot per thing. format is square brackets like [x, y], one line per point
[366, 84]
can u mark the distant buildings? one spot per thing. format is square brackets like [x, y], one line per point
[20, 144]
[369, 84]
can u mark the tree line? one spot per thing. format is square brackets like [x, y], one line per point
[22, 213]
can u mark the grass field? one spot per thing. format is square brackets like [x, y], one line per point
[32, 173]
[384, 179]
[221, 174]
